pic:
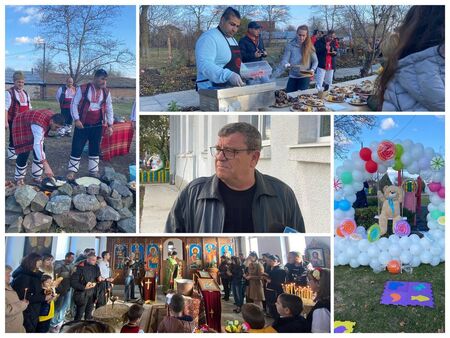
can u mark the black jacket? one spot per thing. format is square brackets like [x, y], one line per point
[248, 49]
[63, 270]
[321, 304]
[291, 325]
[83, 274]
[32, 281]
[277, 277]
[321, 51]
[199, 207]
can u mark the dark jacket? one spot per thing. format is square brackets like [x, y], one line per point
[277, 277]
[321, 51]
[83, 274]
[237, 272]
[248, 49]
[32, 281]
[223, 268]
[199, 207]
[291, 325]
[65, 271]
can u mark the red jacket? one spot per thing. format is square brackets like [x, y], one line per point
[15, 107]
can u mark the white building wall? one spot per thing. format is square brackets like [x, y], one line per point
[294, 154]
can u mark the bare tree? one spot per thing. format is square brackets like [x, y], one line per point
[372, 25]
[49, 65]
[347, 129]
[155, 135]
[315, 22]
[80, 34]
[273, 15]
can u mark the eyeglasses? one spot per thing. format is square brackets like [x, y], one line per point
[228, 153]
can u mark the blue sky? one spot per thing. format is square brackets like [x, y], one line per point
[22, 30]
[300, 15]
[428, 130]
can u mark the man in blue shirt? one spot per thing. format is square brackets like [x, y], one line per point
[218, 55]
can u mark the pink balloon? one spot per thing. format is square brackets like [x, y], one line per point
[434, 186]
[441, 192]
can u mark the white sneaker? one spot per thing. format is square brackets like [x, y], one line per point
[68, 130]
[62, 131]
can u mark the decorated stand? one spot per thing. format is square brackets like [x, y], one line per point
[354, 245]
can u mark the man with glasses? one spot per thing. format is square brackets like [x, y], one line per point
[238, 198]
[217, 54]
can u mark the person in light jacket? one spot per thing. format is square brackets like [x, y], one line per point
[14, 307]
[413, 78]
[301, 60]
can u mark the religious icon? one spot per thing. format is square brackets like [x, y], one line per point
[39, 245]
[195, 254]
[138, 250]
[208, 284]
[316, 257]
[226, 250]
[152, 257]
[211, 255]
[120, 253]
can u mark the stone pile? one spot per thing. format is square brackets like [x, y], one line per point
[107, 207]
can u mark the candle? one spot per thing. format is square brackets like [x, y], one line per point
[25, 293]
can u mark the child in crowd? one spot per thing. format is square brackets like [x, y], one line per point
[134, 316]
[47, 311]
[254, 316]
[319, 317]
[176, 321]
[86, 326]
[289, 308]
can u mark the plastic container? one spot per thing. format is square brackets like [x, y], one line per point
[255, 70]
[132, 171]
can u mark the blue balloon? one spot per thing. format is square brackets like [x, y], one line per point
[345, 205]
[336, 204]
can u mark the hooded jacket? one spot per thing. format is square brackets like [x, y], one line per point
[199, 207]
[293, 55]
[418, 84]
[32, 281]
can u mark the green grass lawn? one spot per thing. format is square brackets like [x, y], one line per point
[122, 109]
[357, 294]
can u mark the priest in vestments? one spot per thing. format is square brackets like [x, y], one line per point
[171, 272]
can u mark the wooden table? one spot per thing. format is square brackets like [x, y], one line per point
[333, 106]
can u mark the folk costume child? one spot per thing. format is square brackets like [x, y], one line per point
[64, 96]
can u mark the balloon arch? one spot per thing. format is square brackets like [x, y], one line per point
[356, 246]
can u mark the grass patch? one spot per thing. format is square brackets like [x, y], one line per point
[122, 109]
[357, 294]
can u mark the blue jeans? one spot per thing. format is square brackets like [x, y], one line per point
[236, 287]
[129, 288]
[61, 306]
[295, 84]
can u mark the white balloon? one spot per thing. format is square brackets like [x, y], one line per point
[374, 146]
[424, 163]
[348, 190]
[363, 259]
[352, 251]
[338, 195]
[407, 144]
[374, 264]
[351, 199]
[375, 157]
[413, 168]
[425, 243]
[414, 238]
[441, 207]
[405, 257]
[415, 249]
[359, 164]
[394, 238]
[348, 165]
[429, 152]
[405, 243]
[355, 156]
[358, 186]
[383, 244]
[415, 261]
[384, 258]
[363, 245]
[339, 171]
[394, 250]
[435, 199]
[357, 176]
[354, 263]
[426, 257]
[435, 251]
[373, 251]
[406, 159]
[343, 259]
[417, 151]
[339, 214]
[435, 261]
[437, 176]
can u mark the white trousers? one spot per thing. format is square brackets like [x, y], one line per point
[324, 76]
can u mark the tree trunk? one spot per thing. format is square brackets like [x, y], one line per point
[169, 48]
[145, 32]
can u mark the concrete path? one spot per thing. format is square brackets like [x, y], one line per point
[187, 98]
[158, 201]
